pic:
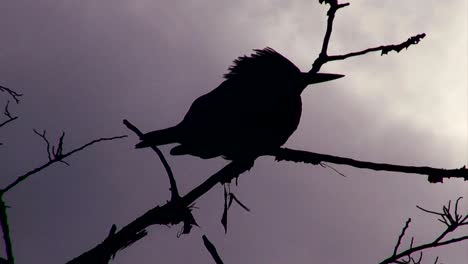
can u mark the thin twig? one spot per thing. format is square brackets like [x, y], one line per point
[59, 158]
[452, 225]
[402, 234]
[11, 92]
[7, 113]
[383, 49]
[173, 184]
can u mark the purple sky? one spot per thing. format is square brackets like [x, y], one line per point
[86, 65]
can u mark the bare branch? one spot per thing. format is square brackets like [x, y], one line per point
[171, 213]
[11, 92]
[7, 113]
[55, 159]
[334, 6]
[401, 236]
[434, 174]
[10, 259]
[452, 225]
[212, 249]
[44, 137]
[233, 197]
[383, 49]
[174, 190]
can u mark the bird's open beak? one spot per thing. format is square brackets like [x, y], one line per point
[324, 77]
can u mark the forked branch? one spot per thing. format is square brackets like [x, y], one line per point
[384, 49]
[452, 219]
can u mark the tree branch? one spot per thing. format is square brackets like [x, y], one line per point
[58, 156]
[384, 49]
[15, 95]
[7, 113]
[434, 174]
[455, 220]
[173, 212]
[173, 184]
[212, 249]
[322, 58]
[10, 259]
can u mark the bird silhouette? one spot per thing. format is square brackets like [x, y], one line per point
[251, 113]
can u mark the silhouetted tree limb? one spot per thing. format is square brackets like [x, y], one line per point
[229, 197]
[10, 259]
[173, 184]
[452, 220]
[334, 6]
[57, 156]
[212, 249]
[54, 155]
[434, 174]
[173, 212]
[15, 95]
[384, 49]
[7, 113]
[178, 211]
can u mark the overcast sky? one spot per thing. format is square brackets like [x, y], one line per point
[83, 66]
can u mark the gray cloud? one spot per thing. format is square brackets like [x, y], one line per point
[84, 66]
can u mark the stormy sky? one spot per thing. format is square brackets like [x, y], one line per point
[83, 66]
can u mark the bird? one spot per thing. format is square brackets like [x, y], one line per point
[251, 113]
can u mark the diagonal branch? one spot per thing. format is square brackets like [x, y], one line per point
[56, 158]
[170, 174]
[434, 174]
[171, 213]
[7, 113]
[456, 220]
[212, 249]
[11, 92]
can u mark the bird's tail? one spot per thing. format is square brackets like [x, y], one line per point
[159, 137]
